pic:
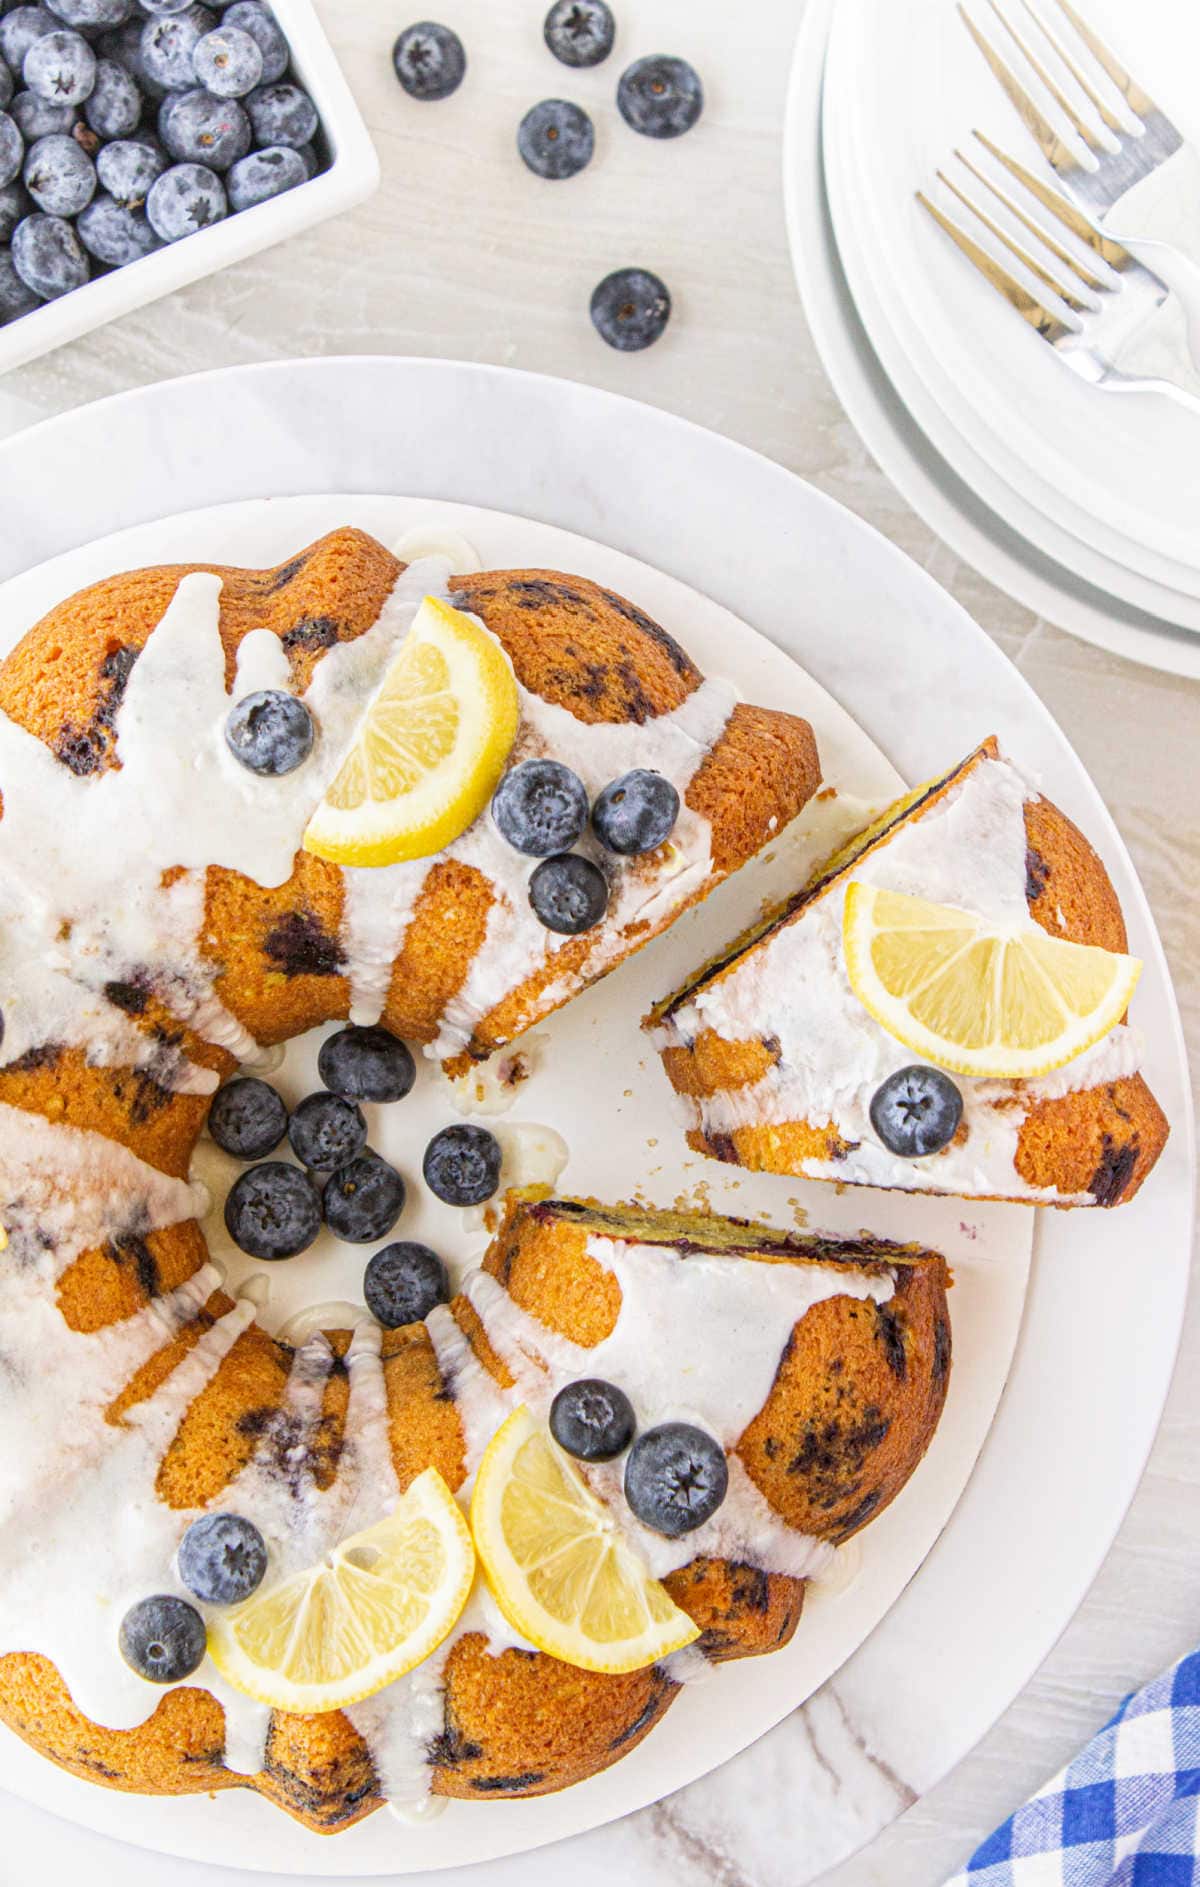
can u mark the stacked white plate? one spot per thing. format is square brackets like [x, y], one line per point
[1082, 504]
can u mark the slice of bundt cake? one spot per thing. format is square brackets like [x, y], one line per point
[179, 874]
[782, 1068]
[817, 1367]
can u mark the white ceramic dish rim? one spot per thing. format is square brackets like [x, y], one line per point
[352, 176]
[1015, 492]
[989, 372]
[1057, 1521]
[944, 500]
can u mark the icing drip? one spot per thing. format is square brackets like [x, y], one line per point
[84, 910]
[967, 849]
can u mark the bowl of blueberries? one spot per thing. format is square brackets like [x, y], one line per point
[145, 143]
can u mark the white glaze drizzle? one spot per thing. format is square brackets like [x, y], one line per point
[967, 848]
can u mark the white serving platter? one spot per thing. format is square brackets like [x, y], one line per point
[1061, 1460]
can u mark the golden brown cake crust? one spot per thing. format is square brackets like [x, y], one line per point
[1100, 1141]
[519, 1723]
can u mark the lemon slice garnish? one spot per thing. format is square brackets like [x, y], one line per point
[429, 750]
[1007, 1003]
[373, 1608]
[556, 1564]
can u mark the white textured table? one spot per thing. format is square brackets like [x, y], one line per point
[465, 254]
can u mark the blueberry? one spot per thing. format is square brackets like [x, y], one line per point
[160, 8]
[12, 148]
[127, 168]
[59, 176]
[364, 1199]
[541, 807]
[184, 199]
[282, 114]
[569, 893]
[462, 1165]
[114, 233]
[48, 256]
[593, 1420]
[325, 1131]
[15, 297]
[916, 1111]
[675, 1478]
[403, 1282]
[580, 32]
[200, 129]
[91, 15]
[7, 86]
[163, 1639]
[247, 1118]
[19, 29]
[167, 49]
[630, 308]
[366, 1065]
[123, 45]
[248, 16]
[556, 139]
[265, 174]
[660, 97]
[222, 1559]
[14, 204]
[228, 62]
[60, 67]
[35, 118]
[273, 1211]
[115, 106]
[271, 731]
[636, 813]
[429, 60]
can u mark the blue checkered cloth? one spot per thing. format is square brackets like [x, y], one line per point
[1125, 1813]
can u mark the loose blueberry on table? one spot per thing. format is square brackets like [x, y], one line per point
[540, 808]
[661, 97]
[556, 139]
[630, 309]
[592, 1419]
[430, 61]
[86, 83]
[580, 32]
[325, 1131]
[273, 1211]
[636, 813]
[568, 894]
[163, 1639]
[222, 1559]
[366, 1064]
[403, 1282]
[462, 1165]
[676, 1477]
[363, 1199]
[247, 1118]
[916, 1111]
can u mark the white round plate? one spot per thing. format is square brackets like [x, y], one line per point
[945, 500]
[1118, 472]
[942, 407]
[1063, 1454]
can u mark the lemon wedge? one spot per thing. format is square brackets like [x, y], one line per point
[373, 1608]
[429, 750]
[1008, 1003]
[557, 1566]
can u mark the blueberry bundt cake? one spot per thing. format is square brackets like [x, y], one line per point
[783, 1064]
[816, 1367]
[164, 740]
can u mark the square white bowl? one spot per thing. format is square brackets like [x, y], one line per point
[353, 174]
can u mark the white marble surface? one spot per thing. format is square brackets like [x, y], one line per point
[464, 254]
